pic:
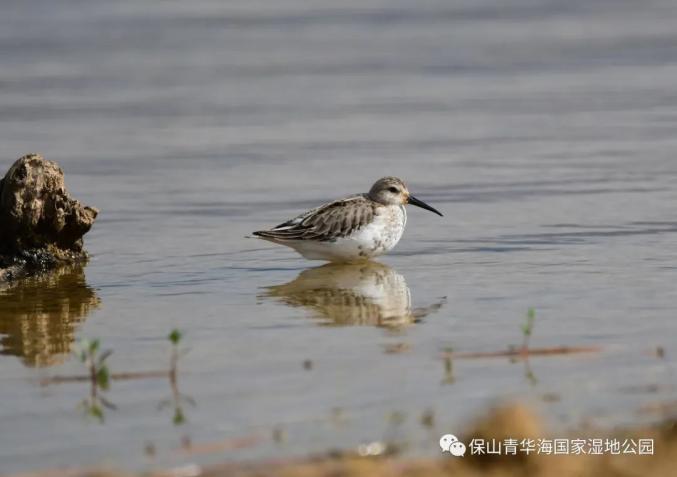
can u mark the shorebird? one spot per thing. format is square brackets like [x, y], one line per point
[353, 229]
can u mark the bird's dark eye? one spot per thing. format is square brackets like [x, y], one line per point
[393, 190]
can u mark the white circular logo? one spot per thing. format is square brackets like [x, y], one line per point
[450, 443]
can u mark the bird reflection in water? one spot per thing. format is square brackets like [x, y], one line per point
[39, 315]
[368, 293]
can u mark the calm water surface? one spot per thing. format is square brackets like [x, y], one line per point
[544, 131]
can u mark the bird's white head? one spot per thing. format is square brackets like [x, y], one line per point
[393, 191]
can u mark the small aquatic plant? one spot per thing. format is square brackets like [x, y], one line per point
[177, 398]
[527, 329]
[88, 352]
[174, 338]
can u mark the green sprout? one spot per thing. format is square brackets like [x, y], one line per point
[177, 399]
[175, 337]
[87, 351]
[527, 331]
[179, 417]
[528, 328]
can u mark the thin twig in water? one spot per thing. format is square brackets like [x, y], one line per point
[113, 377]
[520, 354]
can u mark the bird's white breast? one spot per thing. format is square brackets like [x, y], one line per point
[385, 230]
[378, 237]
[371, 240]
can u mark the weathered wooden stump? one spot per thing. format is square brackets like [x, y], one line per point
[41, 226]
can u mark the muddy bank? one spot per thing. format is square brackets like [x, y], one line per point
[510, 422]
[41, 225]
[507, 422]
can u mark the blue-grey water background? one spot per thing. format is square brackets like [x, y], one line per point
[544, 130]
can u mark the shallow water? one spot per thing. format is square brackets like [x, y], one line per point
[544, 131]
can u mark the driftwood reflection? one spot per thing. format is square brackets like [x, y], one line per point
[39, 315]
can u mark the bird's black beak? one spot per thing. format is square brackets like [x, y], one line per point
[419, 203]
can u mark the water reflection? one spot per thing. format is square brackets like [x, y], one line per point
[367, 293]
[39, 315]
[176, 402]
[177, 399]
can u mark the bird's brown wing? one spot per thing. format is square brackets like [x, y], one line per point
[325, 223]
